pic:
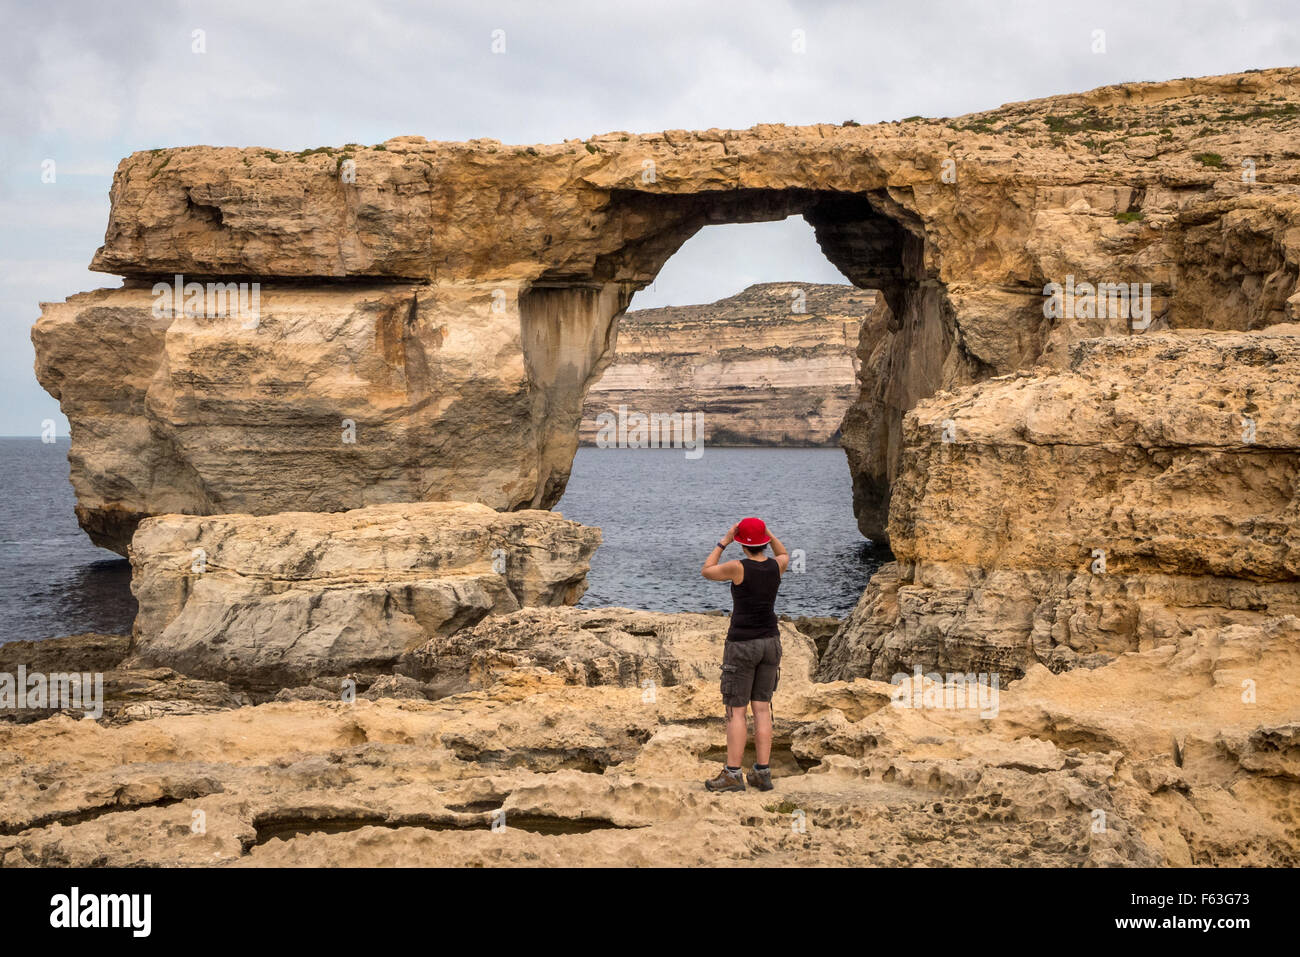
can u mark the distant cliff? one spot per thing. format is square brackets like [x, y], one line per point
[775, 364]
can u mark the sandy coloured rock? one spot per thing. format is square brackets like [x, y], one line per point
[775, 364]
[531, 254]
[274, 601]
[1150, 488]
[456, 302]
[1154, 759]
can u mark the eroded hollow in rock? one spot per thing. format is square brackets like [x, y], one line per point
[784, 761]
[289, 826]
[545, 761]
[82, 815]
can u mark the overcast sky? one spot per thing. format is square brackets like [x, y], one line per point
[85, 83]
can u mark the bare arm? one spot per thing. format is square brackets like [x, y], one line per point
[779, 553]
[727, 571]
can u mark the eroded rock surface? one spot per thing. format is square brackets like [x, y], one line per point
[593, 646]
[275, 601]
[108, 690]
[1158, 758]
[527, 255]
[1150, 488]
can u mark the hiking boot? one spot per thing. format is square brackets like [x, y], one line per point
[760, 779]
[727, 781]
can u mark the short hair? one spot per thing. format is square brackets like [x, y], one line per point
[755, 550]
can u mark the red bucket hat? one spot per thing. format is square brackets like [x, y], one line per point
[752, 532]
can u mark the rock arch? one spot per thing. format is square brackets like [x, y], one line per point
[863, 235]
[454, 299]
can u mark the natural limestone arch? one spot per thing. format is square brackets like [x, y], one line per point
[456, 299]
[869, 239]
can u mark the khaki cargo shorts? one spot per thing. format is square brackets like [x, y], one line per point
[750, 670]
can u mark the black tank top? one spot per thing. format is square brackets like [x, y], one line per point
[753, 612]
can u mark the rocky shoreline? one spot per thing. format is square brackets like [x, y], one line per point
[1149, 761]
[356, 642]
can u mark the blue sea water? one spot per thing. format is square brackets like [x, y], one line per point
[660, 513]
[53, 581]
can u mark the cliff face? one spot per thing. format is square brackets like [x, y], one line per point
[775, 364]
[1149, 490]
[1192, 186]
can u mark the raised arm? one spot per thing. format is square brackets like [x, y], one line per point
[779, 553]
[727, 571]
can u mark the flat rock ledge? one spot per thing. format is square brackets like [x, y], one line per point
[267, 602]
[1156, 758]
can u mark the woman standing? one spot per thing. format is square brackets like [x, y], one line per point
[751, 658]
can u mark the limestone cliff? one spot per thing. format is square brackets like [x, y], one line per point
[525, 256]
[1149, 489]
[775, 364]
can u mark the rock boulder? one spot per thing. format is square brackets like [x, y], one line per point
[269, 602]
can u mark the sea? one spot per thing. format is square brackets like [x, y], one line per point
[53, 581]
[659, 511]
